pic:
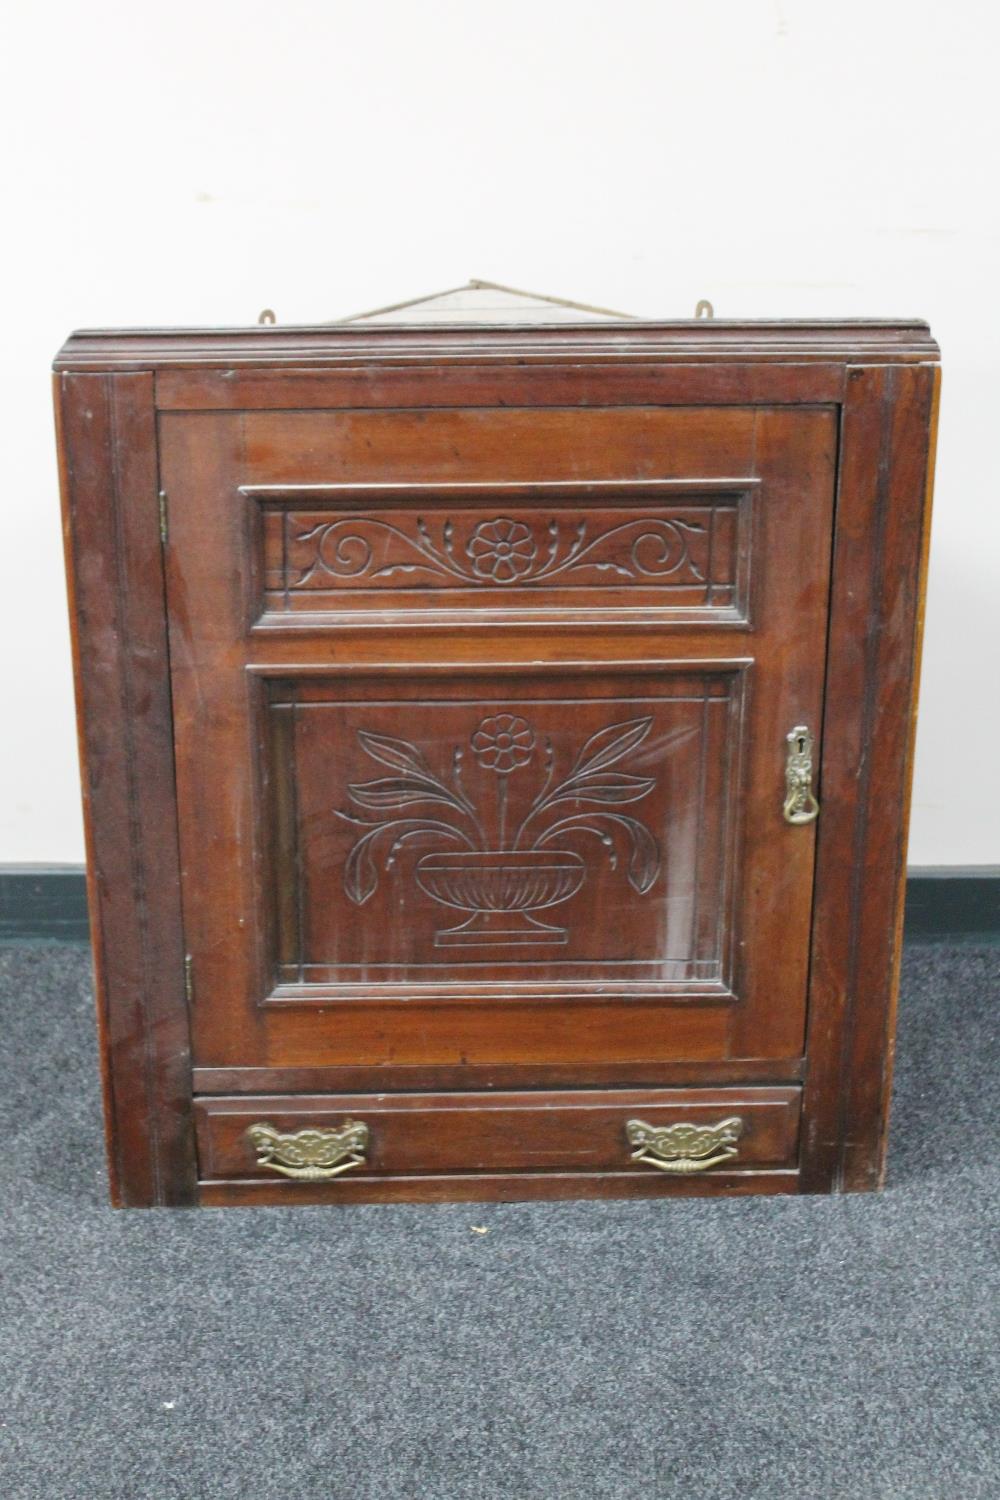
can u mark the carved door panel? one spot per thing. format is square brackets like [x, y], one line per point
[481, 724]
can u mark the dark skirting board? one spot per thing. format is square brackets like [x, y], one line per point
[49, 903]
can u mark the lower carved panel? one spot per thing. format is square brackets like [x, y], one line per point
[564, 834]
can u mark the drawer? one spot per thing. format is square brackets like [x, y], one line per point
[668, 1134]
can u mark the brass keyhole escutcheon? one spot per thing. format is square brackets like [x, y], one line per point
[800, 805]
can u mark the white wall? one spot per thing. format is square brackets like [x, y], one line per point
[191, 163]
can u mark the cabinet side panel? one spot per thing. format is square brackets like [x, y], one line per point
[871, 1043]
[878, 577]
[115, 572]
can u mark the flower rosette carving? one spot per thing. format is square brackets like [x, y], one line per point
[503, 743]
[502, 550]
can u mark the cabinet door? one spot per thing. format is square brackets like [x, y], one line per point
[481, 726]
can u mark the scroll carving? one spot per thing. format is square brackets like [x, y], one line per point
[499, 552]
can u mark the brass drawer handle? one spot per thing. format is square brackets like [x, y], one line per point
[311, 1155]
[800, 805]
[684, 1147]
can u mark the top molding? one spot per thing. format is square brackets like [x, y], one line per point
[336, 345]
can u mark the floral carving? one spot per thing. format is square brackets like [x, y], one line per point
[502, 875]
[503, 743]
[501, 550]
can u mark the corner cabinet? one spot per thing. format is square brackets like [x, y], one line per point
[496, 749]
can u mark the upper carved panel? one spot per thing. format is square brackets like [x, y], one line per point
[690, 554]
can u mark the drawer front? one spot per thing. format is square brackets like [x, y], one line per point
[668, 1133]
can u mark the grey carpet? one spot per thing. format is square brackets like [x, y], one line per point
[705, 1350]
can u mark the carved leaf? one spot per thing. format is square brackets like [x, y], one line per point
[610, 786]
[398, 791]
[391, 568]
[400, 755]
[644, 859]
[360, 874]
[610, 744]
[644, 862]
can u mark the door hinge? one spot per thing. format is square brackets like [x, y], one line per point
[188, 978]
[164, 528]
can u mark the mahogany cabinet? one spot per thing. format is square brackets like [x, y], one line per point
[496, 748]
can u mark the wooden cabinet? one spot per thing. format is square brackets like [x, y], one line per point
[455, 709]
